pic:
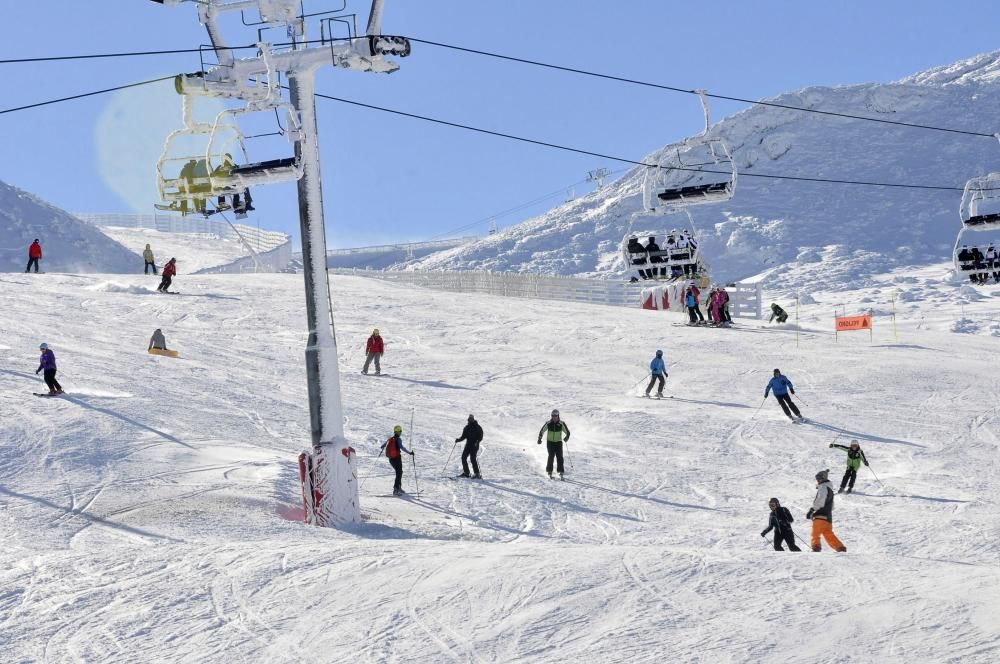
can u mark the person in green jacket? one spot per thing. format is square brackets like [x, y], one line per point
[554, 430]
[147, 255]
[777, 312]
[855, 457]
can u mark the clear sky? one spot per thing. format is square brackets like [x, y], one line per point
[392, 179]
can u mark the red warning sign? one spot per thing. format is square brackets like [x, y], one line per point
[851, 323]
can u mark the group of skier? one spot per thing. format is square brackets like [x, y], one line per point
[169, 270]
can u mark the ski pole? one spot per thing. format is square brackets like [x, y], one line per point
[877, 479]
[416, 480]
[640, 382]
[767, 539]
[568, 460]
[362, 485]
[758, 408]
[445, 466]
[808, 546]
[802, 401]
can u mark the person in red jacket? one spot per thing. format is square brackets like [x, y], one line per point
[393, 449]
[34, 253]
[169, 270]
[374, 349]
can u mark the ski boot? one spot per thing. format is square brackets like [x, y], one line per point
[477, 476]
[550, 475]
[463, 475]
[562, 477]
[840, 490]
[659, 395]
[850, 489]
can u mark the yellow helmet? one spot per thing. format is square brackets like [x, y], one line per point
[375, 331]
[397, 429]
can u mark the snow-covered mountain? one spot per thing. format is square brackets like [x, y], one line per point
[68, 244]
[857, 230]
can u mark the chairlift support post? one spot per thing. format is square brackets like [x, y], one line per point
[330, 472]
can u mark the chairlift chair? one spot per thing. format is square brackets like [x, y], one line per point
[677, 255]
[230, 176]
[979, 212]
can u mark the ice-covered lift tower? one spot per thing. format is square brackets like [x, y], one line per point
[329, 478]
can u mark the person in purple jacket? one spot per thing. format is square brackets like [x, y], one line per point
[48, 363]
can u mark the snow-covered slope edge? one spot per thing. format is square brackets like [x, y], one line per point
[68, 244]
[861, 230]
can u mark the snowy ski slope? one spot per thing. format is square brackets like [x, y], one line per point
[149, 514]
[194, 251]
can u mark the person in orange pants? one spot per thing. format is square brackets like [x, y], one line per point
[821, 514]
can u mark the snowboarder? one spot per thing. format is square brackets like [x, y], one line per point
[374, 349]
[169, 270]
[855, 457]
[472, 434]
[554, 430]
[147, 256]
[781, 521]
[34, 254]
[782, 386]
[47, 362]
[657, 372]
[777, 312]
[821, 514]
[157, 340]
[392, 448]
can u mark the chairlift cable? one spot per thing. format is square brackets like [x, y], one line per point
[566, 148]
[85, 94]
[659, 86]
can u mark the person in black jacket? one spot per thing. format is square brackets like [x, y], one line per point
[472, 434]
[653, 250]
[781, 521]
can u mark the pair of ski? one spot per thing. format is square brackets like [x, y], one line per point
[48, 394]
[657, 397]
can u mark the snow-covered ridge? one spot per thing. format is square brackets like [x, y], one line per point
[68, 244]
[856, 230]
[983, 68]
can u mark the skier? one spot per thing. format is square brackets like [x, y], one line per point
[157, 340]
[657, 372]
[655, 256]
[147, 255]
[472, 434]
[48, 362]
[34, 254]
[782, 386]
[724, 308]
[821, 514]
[781, 521]
[392, 448]
[169, 270]
[715, 306]
[697, 307]
[637, 254]
[691, 302]
[554, 430]
[374, 349]
[855, 457]
[777, 312]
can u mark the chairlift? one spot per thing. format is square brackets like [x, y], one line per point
[699, 171]
[665, 255]
[976, 257]
[231, 176]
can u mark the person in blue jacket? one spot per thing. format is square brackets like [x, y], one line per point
[691, 302]
[657, 372]
[781, 387]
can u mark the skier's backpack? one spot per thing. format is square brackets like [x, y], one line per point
[391, 449]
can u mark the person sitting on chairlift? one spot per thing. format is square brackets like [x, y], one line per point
[655, 257]
[637, 252]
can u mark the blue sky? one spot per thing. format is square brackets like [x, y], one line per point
[391, 179]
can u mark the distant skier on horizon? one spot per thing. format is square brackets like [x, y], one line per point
[34, 255]
[554, 430]
[781, 521]
[855, 457]
[821, 514]
[782, 386]
[393, 449]
[657, 372]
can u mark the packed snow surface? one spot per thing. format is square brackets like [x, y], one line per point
[193, 251]
[150, 513]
